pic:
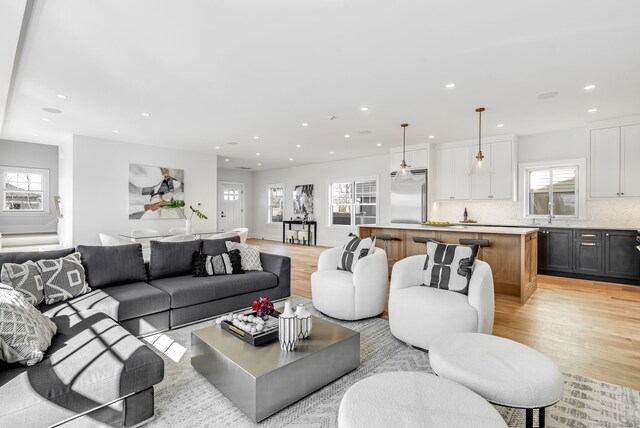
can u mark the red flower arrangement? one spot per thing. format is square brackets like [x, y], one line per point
[262, 306]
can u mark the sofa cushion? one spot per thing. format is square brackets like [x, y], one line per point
[24, 332]
[107, 266]
[23, 256]
[172, 258]
[189, 290]
[122, 302]
[214, 247]
[92, 361]
[24, 278]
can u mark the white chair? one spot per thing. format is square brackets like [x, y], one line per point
[292, 236]
[111, 240]
[179, 238]
[350, 296]
[419, 314]
[223, 235]
[243, 232]
[178, 230]
[143, 233]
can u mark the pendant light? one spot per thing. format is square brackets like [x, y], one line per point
[404, 174]
[480, 156]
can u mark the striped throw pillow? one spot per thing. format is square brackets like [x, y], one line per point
[449, 267]
[354, 249]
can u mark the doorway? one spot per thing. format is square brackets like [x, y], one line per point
[230, 205]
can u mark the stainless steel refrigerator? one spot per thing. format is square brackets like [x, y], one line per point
[409, 200]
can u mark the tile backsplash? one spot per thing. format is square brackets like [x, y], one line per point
[617, 212]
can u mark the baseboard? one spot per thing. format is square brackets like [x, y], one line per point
[278, 238]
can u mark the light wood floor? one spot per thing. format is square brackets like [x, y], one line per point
[590, 328]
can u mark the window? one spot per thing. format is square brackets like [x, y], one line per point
[554, 188]
[276, 203]
[231, 194]
[24, 190]
[354, 202]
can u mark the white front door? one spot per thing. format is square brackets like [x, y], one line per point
[230, 206]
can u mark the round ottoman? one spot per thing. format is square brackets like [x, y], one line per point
[502, 371]
[411, 399]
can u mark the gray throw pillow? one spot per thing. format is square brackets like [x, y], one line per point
[250, 255]
[114, 265]
[26, 279]
[25, 333]
[63, 278]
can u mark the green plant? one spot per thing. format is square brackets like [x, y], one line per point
[180, 204]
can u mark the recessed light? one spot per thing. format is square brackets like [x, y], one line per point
[547, 95]
[305, 124]
[450, 85]
[62, 97]
[592, 110]
[217, 147]
[259, 164]
[290, 159]
[364, 108]
[51, 110]
[46, 119]
[347, 136]
[298, 145]
[379, 145]
[330, 153]
[146, 114]
[431, 137]
[500, 125]
[226, 160]
[589, 87]
[36, 135]
[255, 137]
[257, 154]
[116, 131]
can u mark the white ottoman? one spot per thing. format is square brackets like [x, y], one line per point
[411, 399]
[292, 236]
[504, 372]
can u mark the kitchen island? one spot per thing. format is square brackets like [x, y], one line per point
[512, 252]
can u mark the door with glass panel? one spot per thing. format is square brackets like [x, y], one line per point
[230, 206]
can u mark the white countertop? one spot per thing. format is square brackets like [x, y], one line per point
[560, 226]
[457, 228]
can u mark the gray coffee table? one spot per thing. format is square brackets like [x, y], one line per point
[263, 380]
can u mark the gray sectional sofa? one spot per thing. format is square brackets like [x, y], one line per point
[96, 372]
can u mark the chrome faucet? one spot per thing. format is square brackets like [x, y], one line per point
[551, 216]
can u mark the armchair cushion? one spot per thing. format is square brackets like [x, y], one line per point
[449, 267]
[354, 250]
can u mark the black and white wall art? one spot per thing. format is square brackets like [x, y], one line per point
[149, 187]
[303, 200]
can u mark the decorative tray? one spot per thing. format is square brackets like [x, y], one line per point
[269, 334]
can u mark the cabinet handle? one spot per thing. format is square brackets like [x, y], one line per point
[588, 235]
[587, 244]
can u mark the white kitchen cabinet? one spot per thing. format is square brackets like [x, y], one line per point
[480, 175]
[630, 160]
[614, 157]
[461, 184]
[452, 174]
[416, 158]
[494, 179]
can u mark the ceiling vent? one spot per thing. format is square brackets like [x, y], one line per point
[246, 168]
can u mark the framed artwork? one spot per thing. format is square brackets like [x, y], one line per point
[149, 187]
[303, 199]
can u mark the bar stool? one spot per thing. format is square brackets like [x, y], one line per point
[303, 236]
[292, 236]
[386, 238]
[423, 239]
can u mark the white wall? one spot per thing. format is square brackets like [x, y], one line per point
[246, 178]
[100, 186]
[30, 155]
[550, 146]
[320, 175]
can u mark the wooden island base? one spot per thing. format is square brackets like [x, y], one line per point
[513, 257]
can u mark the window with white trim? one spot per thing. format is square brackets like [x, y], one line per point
[24, 190]
[552, 191]
[276, 203]
[354, 202]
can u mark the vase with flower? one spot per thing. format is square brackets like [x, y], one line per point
[179, 205]
[263, 307]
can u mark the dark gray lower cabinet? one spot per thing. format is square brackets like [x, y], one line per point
[588, 258]
[622, 259]
[592, 254]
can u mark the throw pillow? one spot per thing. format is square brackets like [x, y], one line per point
[63, 278]
[354, 250]
[25, 333]
[249, 254]
[26, 279]
[223, 264]
[449, 267]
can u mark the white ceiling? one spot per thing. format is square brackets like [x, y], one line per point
[214, 72]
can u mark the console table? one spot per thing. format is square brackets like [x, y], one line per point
[303, 223]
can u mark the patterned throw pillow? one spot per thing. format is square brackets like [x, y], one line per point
[26, 279]
[354, 250]
[63, 278]
[223, 264]
[250, 255]
[25, 333]
[449, 267]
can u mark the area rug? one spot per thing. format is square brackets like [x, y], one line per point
[185, 398]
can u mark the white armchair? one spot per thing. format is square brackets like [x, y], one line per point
[350, 296]
[418, 315]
